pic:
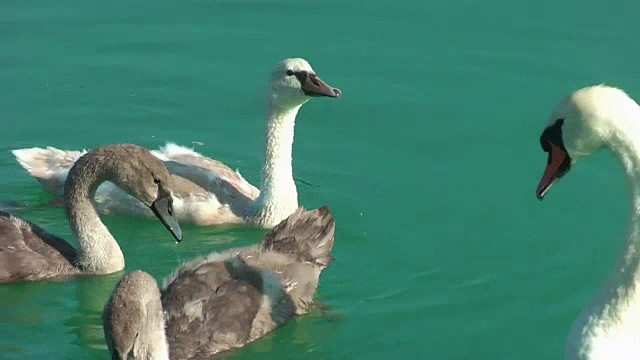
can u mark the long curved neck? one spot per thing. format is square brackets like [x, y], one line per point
[99, 252]
[627, 151]
[278, 191]
[615, 311]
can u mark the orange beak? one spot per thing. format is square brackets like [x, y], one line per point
[558, 164]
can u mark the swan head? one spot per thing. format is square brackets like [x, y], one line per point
[293, 82]
[146, 178]
[581, 124]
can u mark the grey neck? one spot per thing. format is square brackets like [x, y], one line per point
[99, 252]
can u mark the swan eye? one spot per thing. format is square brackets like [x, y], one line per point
[156, 181]
[290, 72]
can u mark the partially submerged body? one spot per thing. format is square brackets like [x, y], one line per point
[225, 300]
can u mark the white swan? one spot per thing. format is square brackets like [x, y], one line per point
[208, 192]
[224, 300]
[28, 253]
[593, 118]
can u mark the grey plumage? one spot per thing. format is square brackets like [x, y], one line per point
[226, 300]
[305, 238]
[28, 253]
[135, 310]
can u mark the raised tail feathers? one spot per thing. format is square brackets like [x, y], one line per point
[50, 166]
[307, 234]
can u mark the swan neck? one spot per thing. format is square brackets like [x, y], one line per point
[276, 182]
[626, 147]
[98, 251]
[613, 311]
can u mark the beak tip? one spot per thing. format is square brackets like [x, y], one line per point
[337, 92]
[542, 190]
[163, 209]
[176, 231]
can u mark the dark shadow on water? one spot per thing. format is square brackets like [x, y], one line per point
[326, 311]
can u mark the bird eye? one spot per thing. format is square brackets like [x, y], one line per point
[156, 180]
[289, 72]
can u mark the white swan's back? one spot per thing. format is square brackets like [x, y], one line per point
[206, 172]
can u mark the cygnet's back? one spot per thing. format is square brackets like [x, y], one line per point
[225, 300]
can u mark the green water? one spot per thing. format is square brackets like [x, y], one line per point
[429, 161]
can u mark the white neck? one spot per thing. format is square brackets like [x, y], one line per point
[99, 252]
[278, 194]
[609, 328]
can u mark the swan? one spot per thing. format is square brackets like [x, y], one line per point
[29, 253]
[224, 300]
[590, 119]
[215, 193]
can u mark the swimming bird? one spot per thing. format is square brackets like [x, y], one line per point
[590, 119]
[214, 194]
[224, 300]
[29, 253]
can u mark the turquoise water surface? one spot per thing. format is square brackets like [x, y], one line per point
[429, 161]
